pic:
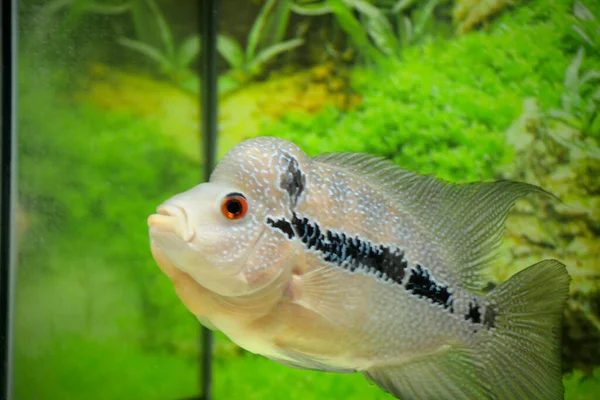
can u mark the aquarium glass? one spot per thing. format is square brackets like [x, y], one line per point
[108, 125]
[108, 120]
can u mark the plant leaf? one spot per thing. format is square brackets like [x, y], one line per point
[231, 51]
[257, 29]
[572, 143]
[189, 50]
[227, 84]
[563, 116]
[582, 12]
[572, 73]
[311, 9]
[406, 31]
[589, 76]
[277, 24]
[108, 9]
[163, 29]
[583, 35]
[270, 52]
[365, 8]
[382, 34]
[147, 50]
[402, 5]
[424, 17]
[191, 84]
[352, 27]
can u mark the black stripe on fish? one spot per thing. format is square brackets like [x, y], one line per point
[293, 180]
[422, 284]
[283, 226]
[350, 253]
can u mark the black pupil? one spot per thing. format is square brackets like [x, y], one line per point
[234, 206]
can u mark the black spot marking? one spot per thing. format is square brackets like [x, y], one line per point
[421, 284]
[346, 252]
[489, 316]
[293, 181]
[474, 314]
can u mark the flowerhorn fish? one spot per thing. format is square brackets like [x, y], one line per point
[347, 263]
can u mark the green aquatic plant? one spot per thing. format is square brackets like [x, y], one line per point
[265, 43]
[587, 26]
[369, 31]
[77, 7]
[414, 19]
[377, 29]
[172, 60]
[154, 39]
[430, 113]
[580, 100]
[470, 13]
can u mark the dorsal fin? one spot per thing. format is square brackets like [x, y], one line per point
[467, 219]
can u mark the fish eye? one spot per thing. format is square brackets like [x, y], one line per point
[234, 206]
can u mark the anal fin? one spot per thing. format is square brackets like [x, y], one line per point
[447, 374]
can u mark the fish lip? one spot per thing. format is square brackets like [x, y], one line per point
[179, 217]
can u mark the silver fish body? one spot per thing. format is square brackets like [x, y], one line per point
[346, 263]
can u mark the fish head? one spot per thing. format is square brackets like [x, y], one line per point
[213, 231]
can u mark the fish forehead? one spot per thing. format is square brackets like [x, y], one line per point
[258, 164]
[263, 164]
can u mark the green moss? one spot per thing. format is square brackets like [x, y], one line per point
[445, 106]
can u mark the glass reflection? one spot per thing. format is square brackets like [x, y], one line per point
[108, 122]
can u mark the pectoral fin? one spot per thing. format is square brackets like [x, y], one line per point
[300, 360]
[334, 295]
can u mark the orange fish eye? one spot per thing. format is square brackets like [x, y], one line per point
[234, 206]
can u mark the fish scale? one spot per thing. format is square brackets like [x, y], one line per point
[345, 262]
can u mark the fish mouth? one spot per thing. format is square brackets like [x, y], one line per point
[170, 218]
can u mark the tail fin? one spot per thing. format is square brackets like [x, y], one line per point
[525, 348]
[517, 359]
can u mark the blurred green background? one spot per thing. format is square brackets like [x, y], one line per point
[108, 120]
